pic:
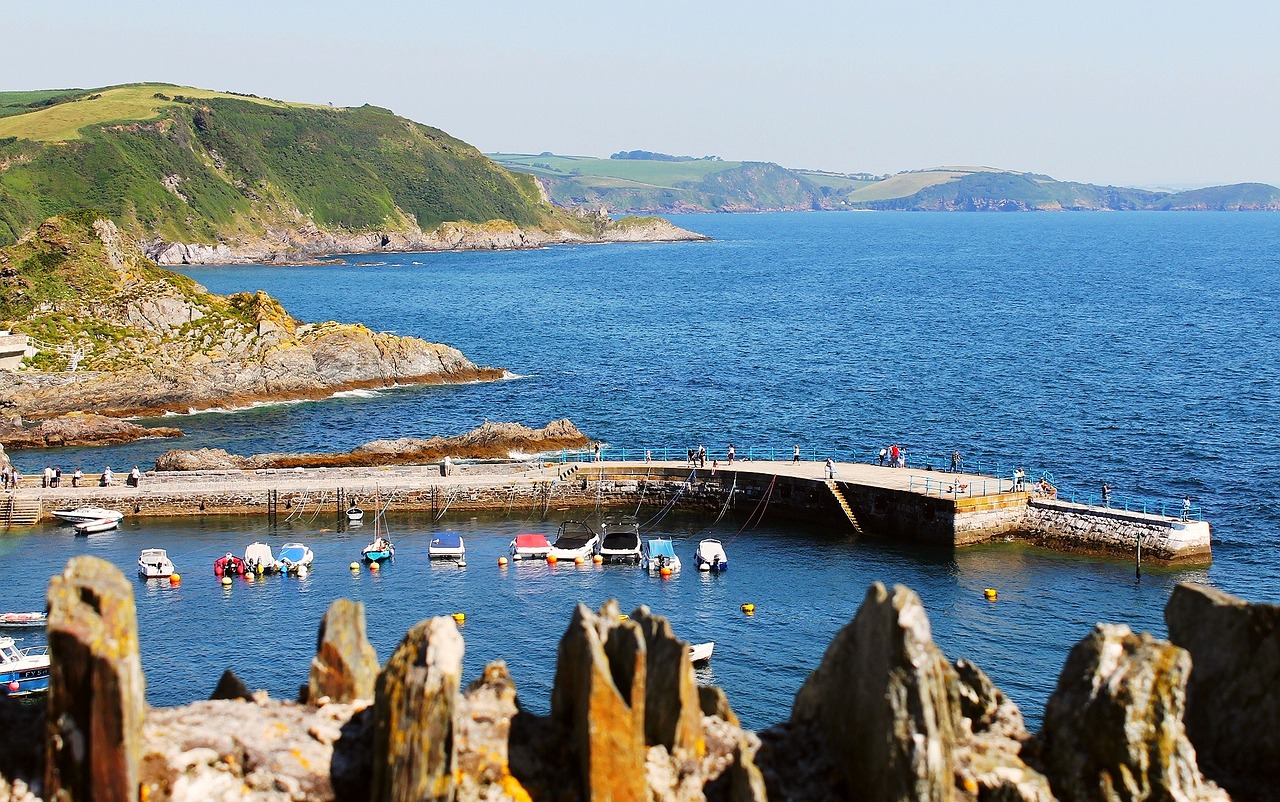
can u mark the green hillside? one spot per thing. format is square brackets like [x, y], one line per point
[193, 165]
[1233, 197]
[1006, 191]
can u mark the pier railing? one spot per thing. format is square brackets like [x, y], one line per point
[956, 486]
[1166, 508]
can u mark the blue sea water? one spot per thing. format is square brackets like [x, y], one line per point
[1139, 349]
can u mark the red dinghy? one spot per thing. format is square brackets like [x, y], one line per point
[228, 565]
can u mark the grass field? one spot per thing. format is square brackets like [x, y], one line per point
[663, 175]
[839, 183]
[130, 103]
[904, 185]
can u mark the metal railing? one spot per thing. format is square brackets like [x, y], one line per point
[1166, 508]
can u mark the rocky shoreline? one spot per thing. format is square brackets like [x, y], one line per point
[884, 716]
[76, 429]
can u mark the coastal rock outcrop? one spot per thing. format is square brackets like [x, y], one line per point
[487, 441]
[1233, 692]
[79, 429]
[1113, 728]
[345, 667]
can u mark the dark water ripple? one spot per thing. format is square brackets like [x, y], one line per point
[1138, 349]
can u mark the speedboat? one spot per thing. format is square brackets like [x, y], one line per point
[259, 559]
[23, 671]
[229, 565]
[620, 539]
[658, 553]
[85, 514]
[23, 619]
[355, 515]
[154, 564]
[94, 527]
[530, 547]
[380, 549]
[574, 539]
[447, 546]
[701, 652]
[296, 558]
[710, 556]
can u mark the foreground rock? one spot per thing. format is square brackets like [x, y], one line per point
[488, 441]
[345, 667]
[145, 340]
[79, 429]
[1233, 694]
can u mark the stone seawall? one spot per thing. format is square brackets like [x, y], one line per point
[1076, 527]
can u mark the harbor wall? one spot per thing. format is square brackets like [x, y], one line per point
[1076, 527]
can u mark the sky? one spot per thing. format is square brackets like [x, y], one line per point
[1126, 92]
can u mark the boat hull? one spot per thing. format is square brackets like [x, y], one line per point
[82, 515]
[94, 527]
[27, 681]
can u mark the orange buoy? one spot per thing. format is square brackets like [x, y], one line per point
[502, 561]
[578, 560]
[373, 566]
[598, 559]
[175, 579]
[665, 570]
[551, 559]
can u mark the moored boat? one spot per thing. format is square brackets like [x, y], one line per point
[23, 619]
[229, 565]
[94, 527]
[710, 556]
[86, 514]
[701, 652]
[259, 559]
[380, 549]
[296, 558]
[447, 546]
[657, 554]
[355, 515]
[620, 539]
[574, 539]
[530, 546]
[23, 671]
[155, 564]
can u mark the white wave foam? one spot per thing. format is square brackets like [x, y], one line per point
[356, 394]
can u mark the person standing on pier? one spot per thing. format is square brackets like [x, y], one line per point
[597, 452]
[107, 477]
[731, 453]
[57, 477]
[831, 468]
[648, 456]
[1186, 507]
[795, 455]
[884, 453]
[76, 477]
[955, 461]
[1106, 494]
[135, 476]
[893, 456]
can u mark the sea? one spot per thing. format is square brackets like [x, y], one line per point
[1136, 349]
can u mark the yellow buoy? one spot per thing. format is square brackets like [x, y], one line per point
[551, 559]
[748, 608]
[502, 561]
[261, 569]
[175, 579]
[374, 567]
[623, 616]
[461, 618]
[226, 580]
[355, 566]
[990, 593]
[597, 559]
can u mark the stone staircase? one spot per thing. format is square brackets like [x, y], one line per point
[834, 487]
[568, 471]
[16, 511]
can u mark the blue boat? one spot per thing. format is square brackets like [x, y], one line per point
[23, 671]
[380, 549]
[447, 546]
[657, 554]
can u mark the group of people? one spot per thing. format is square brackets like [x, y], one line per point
[894, 456]
[51, 477]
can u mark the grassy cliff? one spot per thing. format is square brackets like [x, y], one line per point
[193, 165]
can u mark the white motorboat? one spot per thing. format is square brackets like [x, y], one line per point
[259, 559]
[657, 554]
[81, 515]
[23, 671]
[701, 652]
[355, 515]
[620, 539]
[530, 547]
[296, 558]
[710, 556]
[447, 546]
[574, 539]
[36, 619]
[155, 564]
[93, 527]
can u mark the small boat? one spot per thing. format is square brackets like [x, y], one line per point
[85, 514]
[296, 558]
[355, 515]
[658, 553]
[94, 527]
[154, 564]
[259, 559]
[380, 549]
[23, 619]
[530, 547]
[574, 539]
[23, 671]
[447, 546]
[229, 565]
[710, 556]
[701, 652]
[620, 539]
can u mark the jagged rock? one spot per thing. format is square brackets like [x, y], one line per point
[597, 703]
[986, 706]
[988, 756]
[231, 687]
[672, 711]
[714, 702]
[80, 429]
[345, 667]
[1233, 693]
[414, 715]
[96, 689]
[482, 738]
[1113, 727]
[201, 459]
[885, 700]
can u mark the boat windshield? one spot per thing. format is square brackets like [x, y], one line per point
[620, 541]
[574, 535]
[620, 523]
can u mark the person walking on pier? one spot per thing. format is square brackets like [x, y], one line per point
[795, 455]
[76, 477]
[955, 461]
[702, 456]
[1106, 494]
[135, 476]
[597, 452]
[731, 453]
[648, 456]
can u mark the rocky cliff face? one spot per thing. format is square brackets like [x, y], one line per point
[145, 340]
[77, 429]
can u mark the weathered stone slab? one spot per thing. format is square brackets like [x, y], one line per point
[414, 715]
[345, 667]
[97, 694]
[672, 710]
[483, 737]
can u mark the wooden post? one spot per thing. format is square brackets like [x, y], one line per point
[1137, 560]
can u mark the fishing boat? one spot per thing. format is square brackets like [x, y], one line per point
[23, 619]
[710, 556]
[23, 671]
[229, 565]
[154, 564]
[620, 539]
[355, 515]
[574, 539]
[94, 527]
[296, 558]
[530, 547]
[657, 554]
[259, 559]
[380, 549]
[81, 515]
[447, 546]
[701, 652]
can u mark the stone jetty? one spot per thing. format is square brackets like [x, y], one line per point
[884, 717]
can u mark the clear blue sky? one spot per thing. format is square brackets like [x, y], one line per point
[1138, 93]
